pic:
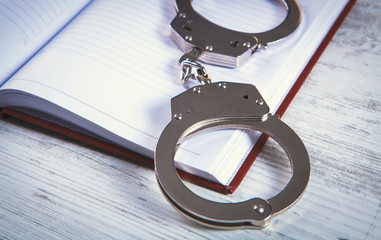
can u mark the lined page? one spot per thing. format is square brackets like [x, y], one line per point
[116, 66]
[26, 25]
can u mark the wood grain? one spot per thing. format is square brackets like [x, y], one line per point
[54, 188]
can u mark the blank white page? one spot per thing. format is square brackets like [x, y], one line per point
[116, 66]
[25, 26]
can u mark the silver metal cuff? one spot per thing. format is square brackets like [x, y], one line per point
[222, 46]
[227, 105]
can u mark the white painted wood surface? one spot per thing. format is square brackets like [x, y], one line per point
[54, 188]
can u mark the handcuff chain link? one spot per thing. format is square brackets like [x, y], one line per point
[194, 70]
[191, 69]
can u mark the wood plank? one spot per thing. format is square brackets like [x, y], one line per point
[52, 187]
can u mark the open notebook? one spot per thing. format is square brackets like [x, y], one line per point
[108, 69]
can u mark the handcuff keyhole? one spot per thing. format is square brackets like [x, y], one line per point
[246, 96]
[234, 44]
[186, 27]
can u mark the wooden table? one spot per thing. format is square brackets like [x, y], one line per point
[53, 187]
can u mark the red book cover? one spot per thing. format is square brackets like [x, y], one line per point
[197, 180]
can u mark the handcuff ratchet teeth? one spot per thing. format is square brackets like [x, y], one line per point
[224, 105]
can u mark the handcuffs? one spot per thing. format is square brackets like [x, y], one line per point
[224, 105]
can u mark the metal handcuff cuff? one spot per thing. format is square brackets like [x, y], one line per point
[225, 105]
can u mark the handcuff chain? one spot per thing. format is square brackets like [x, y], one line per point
[191, 69]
